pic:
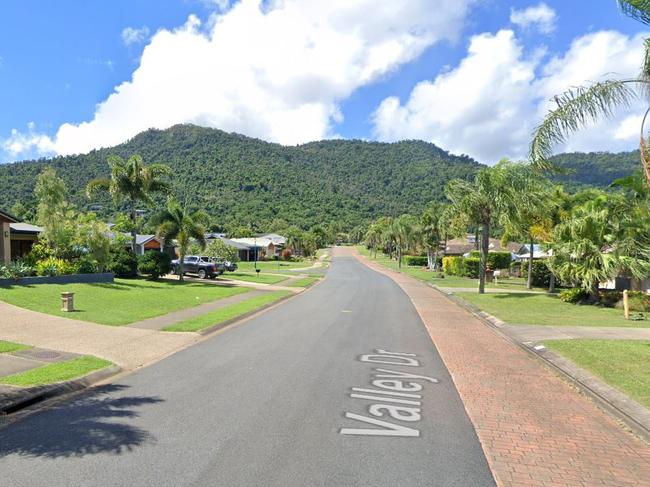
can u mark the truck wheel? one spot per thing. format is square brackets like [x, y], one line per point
[202, 274]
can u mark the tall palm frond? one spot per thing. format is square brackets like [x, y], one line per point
[637, 9]
[576, 109]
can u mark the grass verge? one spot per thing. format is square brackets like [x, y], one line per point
[547, 309]
[623, 364]
[122, 302]
[304, 282]
[226, 313]
[56, 372]
[7, 347]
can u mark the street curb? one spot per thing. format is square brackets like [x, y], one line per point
[39, 394]
[635, 416]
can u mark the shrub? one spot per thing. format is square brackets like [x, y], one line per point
[496, 260]
[16, 270]
[54, 267]
[574, 295]
[154, 264]
[541, 273]
[122, 262]
[86, 265]
[611, 299]
[454, 266]
[471, 267]
[639, 301]
[416, 260]
[286, 254]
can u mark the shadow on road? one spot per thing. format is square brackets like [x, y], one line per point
[91, 423]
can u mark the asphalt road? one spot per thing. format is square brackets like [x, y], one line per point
[265, 404]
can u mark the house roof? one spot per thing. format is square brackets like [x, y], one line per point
[143, 239]
[461, 246]
[275, 238]
[25, 228]
[237, 245]
[7, 217]
[254, 242]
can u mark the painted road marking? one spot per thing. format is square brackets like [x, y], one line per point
[391, 387]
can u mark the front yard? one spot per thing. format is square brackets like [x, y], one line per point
[546, 309]
[123, 302]
[624, 364]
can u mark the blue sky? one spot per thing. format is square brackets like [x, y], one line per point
[414, 72]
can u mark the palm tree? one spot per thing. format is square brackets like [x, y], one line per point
[133, 181]
[580, 106]
[373, 238]
[602, 239]
[175, 222]
[406, 232]
[496, 194]
[432, 231]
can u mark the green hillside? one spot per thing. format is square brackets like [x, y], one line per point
[242, 181]
[597, 169]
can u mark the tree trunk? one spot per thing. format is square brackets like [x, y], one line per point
[551, 286]
[595, 292]
[134, 232]
[485, 248]
[181, 267]
[477, 239]
[529, 284]
[399, 255]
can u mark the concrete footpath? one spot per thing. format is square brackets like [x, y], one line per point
[535, 429]
[126, 347]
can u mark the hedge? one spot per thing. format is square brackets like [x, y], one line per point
[541, 273]
[454, 266]
[416, 260]
[496, 260]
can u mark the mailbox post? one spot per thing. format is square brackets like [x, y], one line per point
[67, 301]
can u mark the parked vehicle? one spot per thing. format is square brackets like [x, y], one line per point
[202, 266]
[226, 265]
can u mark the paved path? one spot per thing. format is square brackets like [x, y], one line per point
[535, 333]
[127, 347]
[249, 284]
[270, 403]
[535, 429]
[160, 322]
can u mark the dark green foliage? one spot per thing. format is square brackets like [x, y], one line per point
[639, 301]
[472, 266]
[416, 260]
[496, 260]
[574, 295]
[246, 182]
[122, 262]
[154, 264]
[86, 265]
[597, 169]
[541, 273]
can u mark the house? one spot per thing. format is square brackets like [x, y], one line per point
[264, 246]
[524, 252]
[146, 242]
[5, 238]
[463, 246]
[17, 238]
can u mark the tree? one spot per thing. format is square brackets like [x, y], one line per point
[218, 249]
[373, 238]
[432, 234]
[294, 239]
[406, 232]
[93, 236]
[176, 223]
[495, 194]
[602, 239]
[580, 106]
[54, 213]
[133, 181]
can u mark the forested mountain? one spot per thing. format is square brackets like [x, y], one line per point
[245, 181]
[597, 169]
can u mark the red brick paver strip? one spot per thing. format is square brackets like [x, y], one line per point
[535, 429]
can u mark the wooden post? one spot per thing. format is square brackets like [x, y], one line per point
[626, 305]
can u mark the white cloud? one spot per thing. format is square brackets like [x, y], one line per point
[30, 142]
[131, 35]
[541, 16]
[276, 70]
[488, 105]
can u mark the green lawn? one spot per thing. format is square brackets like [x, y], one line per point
[263, 277]
[120, 303]
[56, 372]
[547, 309]
[228, 312]
[304, 282]
[623, 364]
[6, 347]
[273, 266]
[448, 281]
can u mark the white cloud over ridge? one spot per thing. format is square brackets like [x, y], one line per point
[275, 70]
[540, 16]
[489, 104]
